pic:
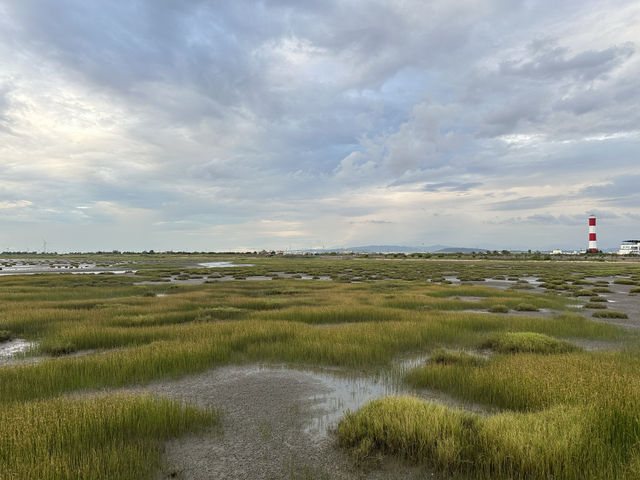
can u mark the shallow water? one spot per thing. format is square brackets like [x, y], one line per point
[13, 348]
[347, 392]
[224, 264]
[32, 268]
[342, 395]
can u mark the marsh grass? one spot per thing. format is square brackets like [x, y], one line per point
[361, 326]
[525, 307]
[441, 356]
[527, 342]
[552, 444]
[601, 290]
[195, 347]
[106, 437]
[598, 299]
[573, 415]
[610, 314]
[595, 305]
[499, 308]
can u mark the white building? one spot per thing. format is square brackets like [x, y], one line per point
[629, 247]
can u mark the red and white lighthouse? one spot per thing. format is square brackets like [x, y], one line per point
[593, 247]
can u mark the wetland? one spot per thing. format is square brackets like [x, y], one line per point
[243, 366]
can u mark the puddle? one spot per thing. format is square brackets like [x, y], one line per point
[98, 272]
[531, 280]
[342, 394]
[12, 349]
[227, 278]
[21, 267]
[351, 392]
[224, 264]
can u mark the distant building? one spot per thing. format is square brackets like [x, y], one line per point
[557, 252]
[629, 247]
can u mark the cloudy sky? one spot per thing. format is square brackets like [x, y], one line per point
[217, 125]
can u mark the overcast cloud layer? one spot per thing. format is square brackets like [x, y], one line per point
[211, 125]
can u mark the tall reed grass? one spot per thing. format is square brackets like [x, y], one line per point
[105, 437]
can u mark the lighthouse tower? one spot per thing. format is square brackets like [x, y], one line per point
[593, 247]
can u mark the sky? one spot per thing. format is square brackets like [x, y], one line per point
[206, 125]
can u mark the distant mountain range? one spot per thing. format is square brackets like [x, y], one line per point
[422, 249]
[400, 249]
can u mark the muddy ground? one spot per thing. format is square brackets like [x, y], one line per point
[277, 423]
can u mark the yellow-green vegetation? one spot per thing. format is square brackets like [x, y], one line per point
[129, 335]
[106, 437]
[556, 443]
[526, 342]
[525, 307]
[595, 305]
[610, 314]
[499, 309]
[449, 357]
[574, 415]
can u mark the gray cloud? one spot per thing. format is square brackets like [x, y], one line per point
[620, 190]
[5, 104]
[545, 219]
[212, 118]
[526, 203]
[545, 59]
[450, 186]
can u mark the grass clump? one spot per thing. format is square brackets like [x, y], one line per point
[109, 437]
[610, 314]
[59, 349]
[442, 356]
[598, 299]
[566, 400]
[5, 335]
[525, 307]
[527, 342]
[500, 308]
[594, 305]
[503, 446]
[601, 290]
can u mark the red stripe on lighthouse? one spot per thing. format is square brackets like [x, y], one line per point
[592, 222]
[592, 236]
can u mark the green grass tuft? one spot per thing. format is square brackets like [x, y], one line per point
[610, 314]
[441, 356]
[527, 342]
[525, 307]
[597, 299]
[596, 306]
[551, 444]
[499, 309]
